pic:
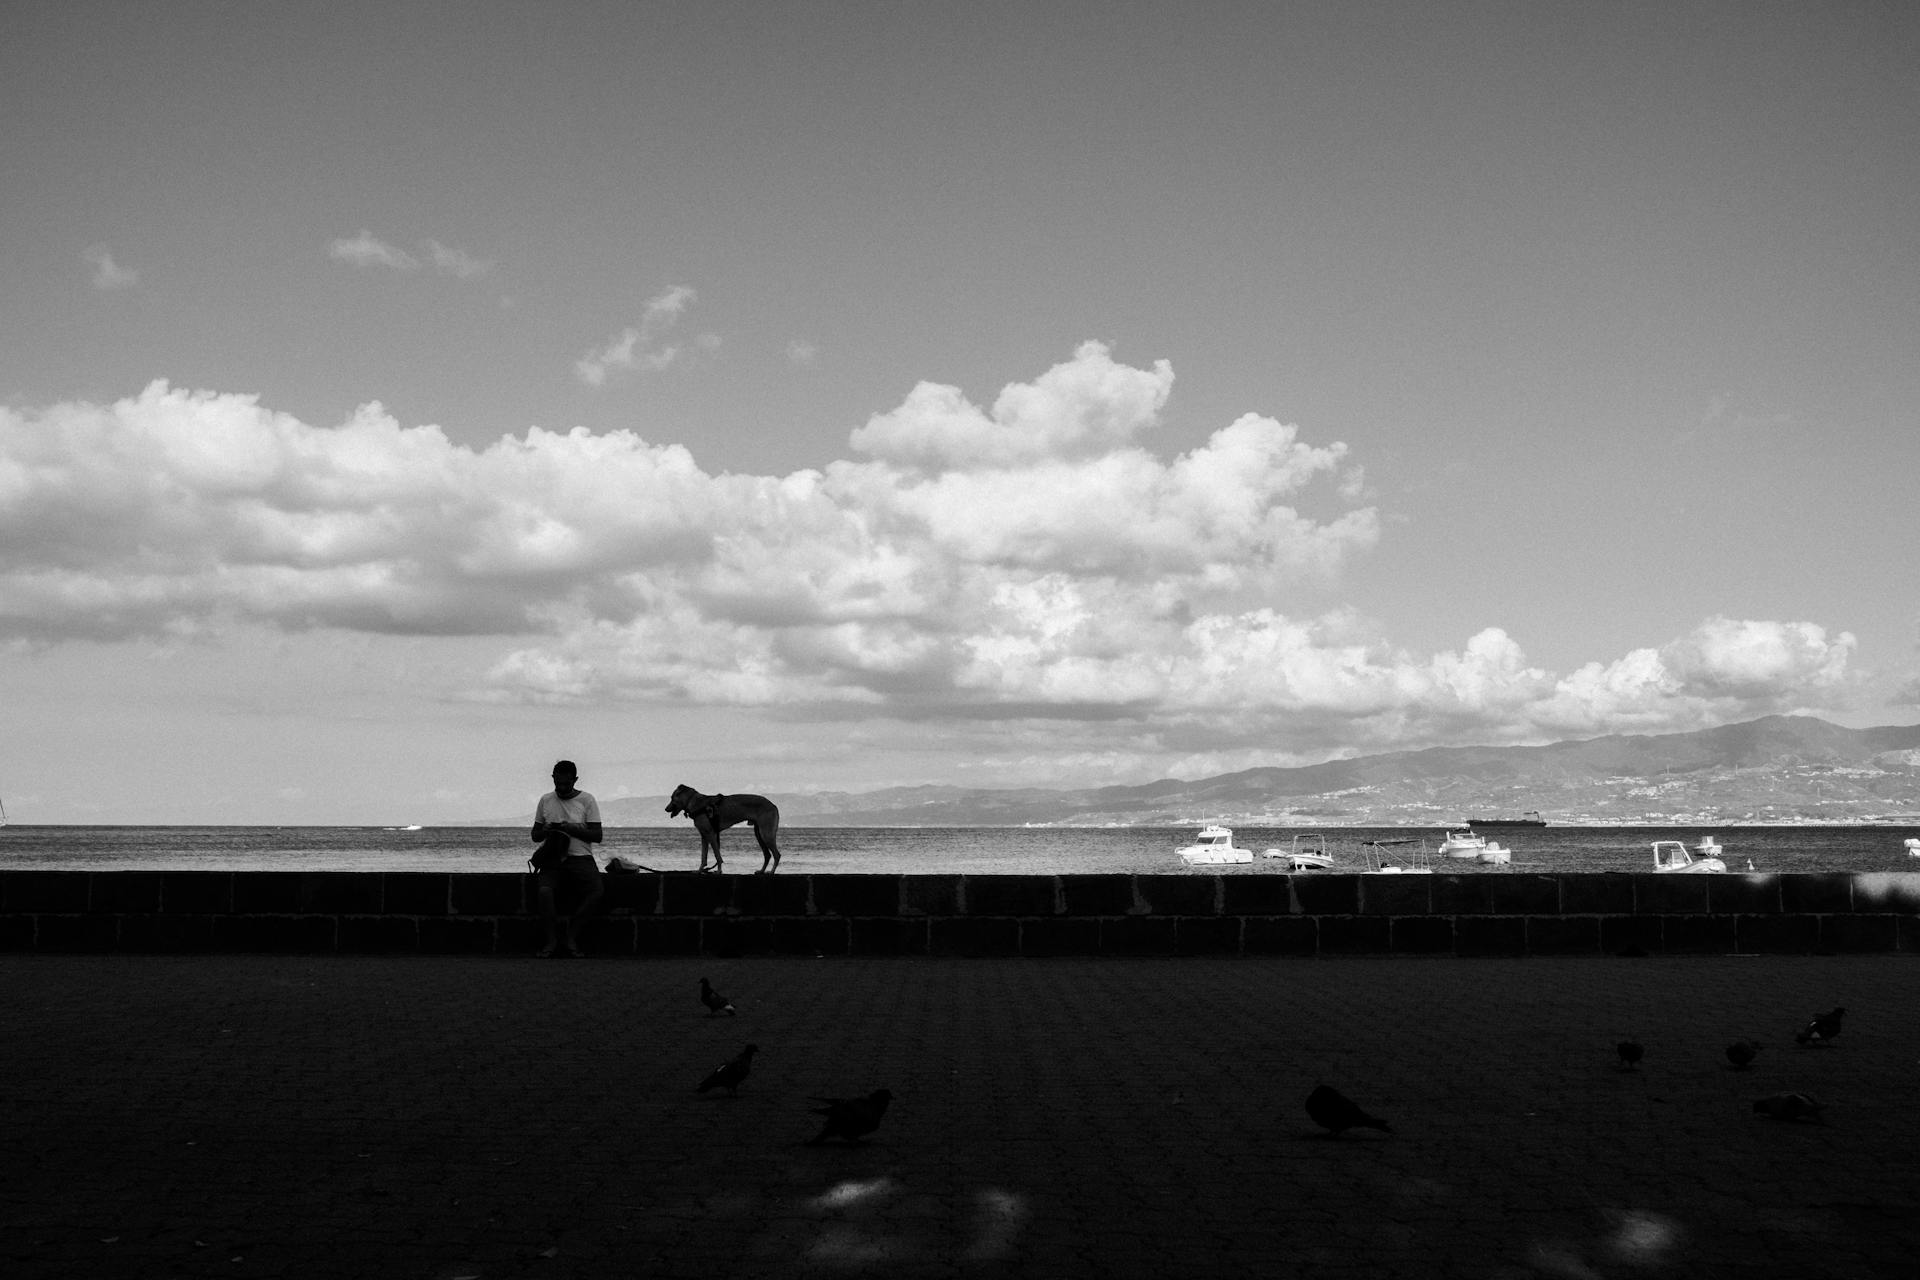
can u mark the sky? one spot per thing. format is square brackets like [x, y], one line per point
[396, 397]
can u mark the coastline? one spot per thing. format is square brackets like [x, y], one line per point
[1052, 850]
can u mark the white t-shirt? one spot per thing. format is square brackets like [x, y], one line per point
[580, 807]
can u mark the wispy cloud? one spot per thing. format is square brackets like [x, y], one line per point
[109, 275]
[1025, 571]
[802, 353]
[647, 345]
[456, 262]
[366, 250]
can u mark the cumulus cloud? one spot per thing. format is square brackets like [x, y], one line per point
[647, 345]
[109, 275]
[366, 250]
[1028, 562]
[1082, 409]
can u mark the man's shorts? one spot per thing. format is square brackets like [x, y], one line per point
[574, 878]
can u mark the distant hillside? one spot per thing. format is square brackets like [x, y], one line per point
[1776, 769]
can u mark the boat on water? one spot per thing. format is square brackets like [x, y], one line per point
[1309, 853]
[1913, 844]
[1462, 842]
[1383, 859]
[1531, 818]
[1495, 854]
[1673, 856]
[1214, 847]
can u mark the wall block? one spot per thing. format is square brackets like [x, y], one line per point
[1255, 911]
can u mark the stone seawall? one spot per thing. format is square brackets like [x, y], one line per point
[1308, 914]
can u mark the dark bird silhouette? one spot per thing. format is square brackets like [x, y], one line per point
[1822, 1029]
[1740, 1054]
[1788, 1106]
[715, 1002]
[851, 1119]
[1336, 1112]
[1630, 1054]
[730, 1073]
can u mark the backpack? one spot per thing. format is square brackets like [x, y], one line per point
[551, 853]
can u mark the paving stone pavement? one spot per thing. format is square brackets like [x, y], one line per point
[244, 1116]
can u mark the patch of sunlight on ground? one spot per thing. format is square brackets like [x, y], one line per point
[995, 1222]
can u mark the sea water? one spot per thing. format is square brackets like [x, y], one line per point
[923, 850]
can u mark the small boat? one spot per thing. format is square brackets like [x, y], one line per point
[1381, 862]
[1913, 846]
[1495, 854]
[1462, 842]
[1672, 855]
[1214, 847]
[1309, 853]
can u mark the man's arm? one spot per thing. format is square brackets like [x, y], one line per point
[588, 828]
[587, 831]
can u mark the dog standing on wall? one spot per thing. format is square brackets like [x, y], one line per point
[713, 814]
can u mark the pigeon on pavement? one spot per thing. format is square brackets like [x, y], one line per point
[1630, 1054]
[730, 1073]
[1336, 1113]
[1822, 1029]
[1740, 1054]
[715, 1002]
[851, 1119]
[1788, 1106]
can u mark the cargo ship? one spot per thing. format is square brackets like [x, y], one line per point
[1531, 818]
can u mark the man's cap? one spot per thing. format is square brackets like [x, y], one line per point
[565, 766]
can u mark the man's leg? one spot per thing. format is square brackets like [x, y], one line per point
[549, 912]
[589, 881]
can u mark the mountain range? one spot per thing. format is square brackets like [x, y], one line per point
[1775, 769]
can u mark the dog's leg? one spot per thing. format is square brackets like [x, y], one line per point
[769, 849]
[709, 839]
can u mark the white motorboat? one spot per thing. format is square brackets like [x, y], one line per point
[1462, 842]
[1710, 848]
[1672, 855]
[1214, 847]
[1383, 860]
[1913, 846]
[1496, 854]
[1309, 853]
